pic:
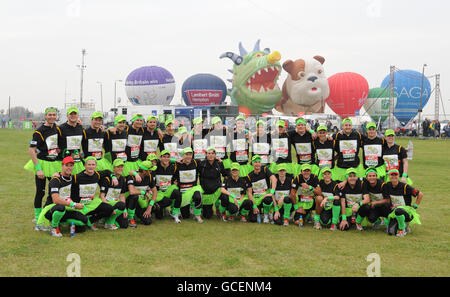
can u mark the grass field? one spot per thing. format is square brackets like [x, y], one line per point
[224, 249]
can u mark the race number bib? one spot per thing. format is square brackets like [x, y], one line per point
[241, 156]
[235, 191]
[74, 142]
[113, 194]
[163, 181]
[200, 146]
[330, 199]
[304, 152]
[262, 149]
[87, 193]
[95, 145]
[348, 149]
[64, 192]
[397, 200]
[118, 145]
[371, 154]
[305, 195]
[325, 157]
[188, 176]
[239, 144]
[134, 142]
[353, 198]
[150, 146]
[218, 141]
[122, 156]
[259, 187]
[281, 194]
[220, 144]
[141, 188]
[391, 162]
[172, 147]
[52, 146]
[280, 146]
[375, 197]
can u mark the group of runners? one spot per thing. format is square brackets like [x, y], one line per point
[142, 172]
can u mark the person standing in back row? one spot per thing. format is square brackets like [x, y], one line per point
[93, 142]
[70, 139]
[43, 151]
[347, 146]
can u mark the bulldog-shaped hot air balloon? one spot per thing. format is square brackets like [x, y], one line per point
[254, 84]
[306, 87]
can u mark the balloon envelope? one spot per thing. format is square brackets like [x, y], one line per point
[377, 104]
[203, 89]
[407, 85]
[348, 92]
[150, 85]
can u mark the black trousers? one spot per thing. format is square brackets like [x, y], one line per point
[40, 191]
[373, 213]
[75, 215]
[225, 202]
[104, 210]
[197, 199]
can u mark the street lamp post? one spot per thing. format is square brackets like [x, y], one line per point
[115, 84]
[101, 95]
[420, 101]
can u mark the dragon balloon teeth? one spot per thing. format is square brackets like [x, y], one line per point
[264, 79]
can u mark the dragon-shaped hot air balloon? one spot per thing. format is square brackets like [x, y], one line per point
[254, 84]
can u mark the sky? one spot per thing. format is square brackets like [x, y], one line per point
[41, 42]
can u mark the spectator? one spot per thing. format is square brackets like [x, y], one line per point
[329, 125]
[425, 127]
[414, 129]
[432, 129]
[447, 130]
[437, 128]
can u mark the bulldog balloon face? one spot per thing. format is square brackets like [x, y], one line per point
[306, 87]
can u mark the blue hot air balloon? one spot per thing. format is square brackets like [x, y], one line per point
[203, 89]
[407, 85]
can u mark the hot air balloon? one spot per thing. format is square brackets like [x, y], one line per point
[377, 104]
[203, 89]
[348, 92]
[150, 85]
[407, 85]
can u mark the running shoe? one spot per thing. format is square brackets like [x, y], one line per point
[317, 225]
[132, 223]
[286, 222]
[401, 233]
[333, 227]
[111, 226]
[176, 218]
[359, 227]
[56, 232]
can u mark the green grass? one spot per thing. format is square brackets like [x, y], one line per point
[224, 249]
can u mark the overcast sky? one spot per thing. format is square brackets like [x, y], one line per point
[41, 41]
